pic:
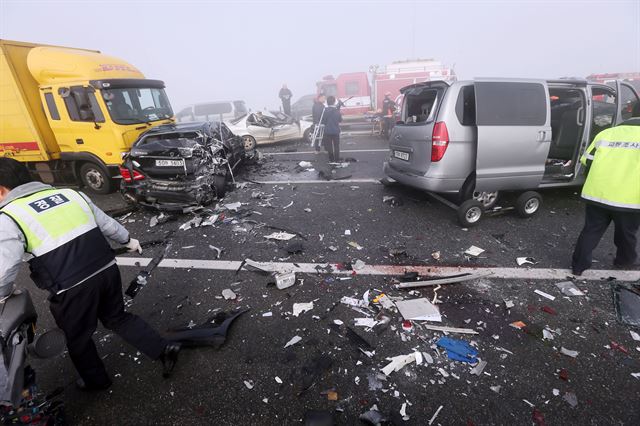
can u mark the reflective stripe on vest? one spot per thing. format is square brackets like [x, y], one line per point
[51, 218]
[614, 173]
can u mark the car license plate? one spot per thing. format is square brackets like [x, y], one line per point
[401, 155]
[170, 163]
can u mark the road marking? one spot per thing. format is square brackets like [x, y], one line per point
[312, 152]
[434, 271]
[296, 182]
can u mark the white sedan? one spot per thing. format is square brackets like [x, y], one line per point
[258, 128]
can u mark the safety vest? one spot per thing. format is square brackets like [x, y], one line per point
[61, 233]
[613, 158]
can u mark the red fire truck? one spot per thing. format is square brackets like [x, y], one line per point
[359, 97]
[610, 78]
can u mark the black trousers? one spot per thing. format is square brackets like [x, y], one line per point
[332, 145]
[77, 311]
[596, 222]
[286, 106]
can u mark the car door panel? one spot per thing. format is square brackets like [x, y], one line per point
[514, 133]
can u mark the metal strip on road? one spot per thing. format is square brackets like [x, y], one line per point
[434, 271]
[313, 152]
[301, 181]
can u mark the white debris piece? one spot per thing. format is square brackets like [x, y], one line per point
[543, 294]
[419, 359]
[636, 375]
[287, 206]
[347, 232]
[365, 322]
[268, 314]
[449, 329]
[280, 236]
[249, 384]
[546, 334]
[635, 336]
[433, 418]
[299, 308]
[228, 294]
[569, 289]
[217, 250]
[427, 358]
[386, 302]
[358, 265]
[233, 206]
[338, 322]
[568, 352]
[436, 255]
[293, 341]
[555, 392]
[305, 164]
[478, 369]
[496, 389]
[279, 380]
[474, 251]
[353, 302]
[419, 310]
[525, 261]
[397, 362]
[403, 410]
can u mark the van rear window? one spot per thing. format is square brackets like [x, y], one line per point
[420, 105]
[510, 104]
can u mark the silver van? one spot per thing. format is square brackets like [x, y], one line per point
[476, 138]
[212, 111]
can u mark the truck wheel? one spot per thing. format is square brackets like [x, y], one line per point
[470, 212]
[528, 203]
[488, 199]
[95, 178]
[249, 142]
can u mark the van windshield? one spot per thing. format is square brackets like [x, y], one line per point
[137, 105]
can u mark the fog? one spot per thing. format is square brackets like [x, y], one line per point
[214, 50]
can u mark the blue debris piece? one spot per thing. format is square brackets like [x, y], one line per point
[458, 350]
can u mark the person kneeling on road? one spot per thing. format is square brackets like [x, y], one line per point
[63, 233]
[612, 193]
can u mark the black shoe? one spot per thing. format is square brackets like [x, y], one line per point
[577, 272]
[80, 384]
[169, 358]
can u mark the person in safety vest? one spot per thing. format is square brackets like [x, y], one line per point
[612, 193]
[63, 234]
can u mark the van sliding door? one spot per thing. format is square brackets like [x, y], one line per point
[514, 133]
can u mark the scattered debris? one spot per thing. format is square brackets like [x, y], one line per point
[626, 300]
[569, 289]
[458, 350]
[474, 251]
[571, 399]
[398, 362]
[249, 384]
[233, 206]
[518, 324]
[543, 294]
[365, 322]
[299, 308]
[635, 336]
[293, 341]
[373, 418]
[419, 310]
[525, 261]
[228, 294]
[568, 352]
[217, 250]
[355, 245]
[436, 255]
[435, 415]
[449, 329]
[392, 200]
[280, 236]
[442, 280]
[478, 369]
[284, 279]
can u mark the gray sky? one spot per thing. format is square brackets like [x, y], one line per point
[214, 50]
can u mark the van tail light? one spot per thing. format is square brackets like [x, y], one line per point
[440, 141]
[126, 175]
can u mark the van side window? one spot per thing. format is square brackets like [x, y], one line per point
[603, 110]
[420, 105]
[511, 104]
[466, 106]
[82, 104]
[51, 105]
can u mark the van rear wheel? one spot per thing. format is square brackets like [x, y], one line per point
[528, 203]
[470, 212]
[95, 179]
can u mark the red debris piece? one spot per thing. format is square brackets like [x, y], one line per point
[407, 325]
[549, 310]
[538, 417]
[619, 347]
[564, 374]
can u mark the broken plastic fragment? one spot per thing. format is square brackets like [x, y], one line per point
[525, 260]
[280, 236]
[435, 415]
[249, 384]
[458, 350]
[233, 206]
[293, 341]
[284, 279]
[355, 245]
[543, 294]
[299, 308]
[478, 369]
[228, 294]
[365, 322]
[419, 310]
[635, 336]
[436, 255]
[518, 324]
[569, 289]
[279, 380]
[568, 352]
[571, 399]
[474, 251]
[358, 265]
[547, 335]
[397, 362]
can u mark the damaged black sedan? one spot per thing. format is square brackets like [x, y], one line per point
[177, 166]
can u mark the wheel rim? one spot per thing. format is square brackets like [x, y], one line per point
[531, 206]
[473, 214]
[486, 198]
[94, 179]
[249, 143]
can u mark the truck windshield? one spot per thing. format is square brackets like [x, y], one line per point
[137, 105]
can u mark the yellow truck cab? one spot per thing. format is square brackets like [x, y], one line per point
[71, 114]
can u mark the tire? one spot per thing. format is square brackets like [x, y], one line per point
[470, 212]
[95, 179]
[528, 203]
[220, 185]
[249, 142]
[488, 199]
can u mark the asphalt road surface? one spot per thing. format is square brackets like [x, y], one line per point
[527, 379]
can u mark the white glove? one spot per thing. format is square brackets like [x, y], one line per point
[134, 245]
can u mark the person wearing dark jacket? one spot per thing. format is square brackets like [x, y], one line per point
[316, 115]
[331, 120]
[64, 236]
[285, 95]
